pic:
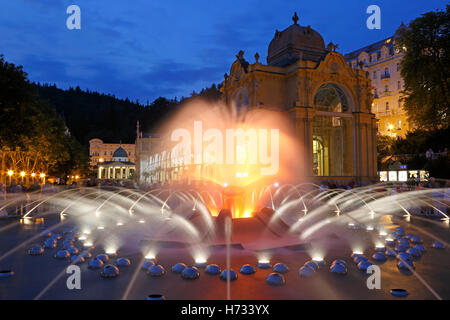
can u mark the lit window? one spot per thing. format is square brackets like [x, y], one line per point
[386, 88]
[399, 124]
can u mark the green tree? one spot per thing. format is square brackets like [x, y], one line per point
[425, 69]
[31, 129]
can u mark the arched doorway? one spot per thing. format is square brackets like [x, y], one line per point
[332, 132]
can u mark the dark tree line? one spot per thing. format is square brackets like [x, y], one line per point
[95, 115]
[47, 129]
[33, 138]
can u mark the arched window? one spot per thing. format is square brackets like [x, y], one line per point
[330, 98]
[241, 99]
[332, 142]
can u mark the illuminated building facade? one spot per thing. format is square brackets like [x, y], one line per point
[118, 168]
[382, 61]
[327, 102]
[100, 152]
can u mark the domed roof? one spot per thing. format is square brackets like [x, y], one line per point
[295, 43]
[120, 153]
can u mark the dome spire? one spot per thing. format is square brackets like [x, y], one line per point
[295, 18]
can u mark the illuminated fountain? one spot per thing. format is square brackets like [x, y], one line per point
[291, 230]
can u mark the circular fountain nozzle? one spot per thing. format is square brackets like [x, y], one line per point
[363, 265]
[190, 273]
[247, 269]
[280, 268]
[224, 275]
[77, 259]
[62, 254]
[123, 262]
[379, 256]
[147, 264]
[399, 292]
[276, 279]
[36, 250]
[6, 273]
[306, 271]
[156, 270]
[102, 256]
[156, 297]
[438, 245]
[312, 264]
[110, 271]
[212, 269]
[95, 264]
[338, 267]
[178, 268]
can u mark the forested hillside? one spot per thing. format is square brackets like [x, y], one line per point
[95, 115]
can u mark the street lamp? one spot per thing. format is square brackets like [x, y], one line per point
[42, 175]
[22, 174]
[10, 173]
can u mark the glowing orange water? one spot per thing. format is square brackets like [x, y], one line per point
[238, 169]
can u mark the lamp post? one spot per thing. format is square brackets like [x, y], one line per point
[42, 175]
[10, 173]
[22, 174]
[32, 176]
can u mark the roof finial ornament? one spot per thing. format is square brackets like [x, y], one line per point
[295, 18]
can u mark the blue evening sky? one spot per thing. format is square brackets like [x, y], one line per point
[143, 49]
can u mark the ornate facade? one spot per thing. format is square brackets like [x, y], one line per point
[118, 168]
[100, 152]
[327, 101]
